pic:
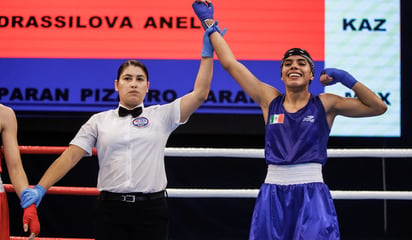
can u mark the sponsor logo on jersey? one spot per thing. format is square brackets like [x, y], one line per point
[309, 118]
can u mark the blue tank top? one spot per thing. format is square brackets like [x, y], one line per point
[300, 137]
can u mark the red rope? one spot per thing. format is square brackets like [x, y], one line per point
[37, 238]
[83, 191]
[45, 150]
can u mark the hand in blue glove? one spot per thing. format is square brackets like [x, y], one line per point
[204, 11]
[29, 196]
[334, 75]
[207, 50]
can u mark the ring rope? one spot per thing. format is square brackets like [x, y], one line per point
[259, 153]
[40, 238]
[230, 193]
[236, 153]
[242, 153]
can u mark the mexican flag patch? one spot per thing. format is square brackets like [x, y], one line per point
[276, 118]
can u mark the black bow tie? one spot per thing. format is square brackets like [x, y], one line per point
[123, 112]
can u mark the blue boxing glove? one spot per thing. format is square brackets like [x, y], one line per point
[204, 12]
[207, 50]
[29, 196]
[341, 76]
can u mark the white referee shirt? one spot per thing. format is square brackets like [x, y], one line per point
[130, 150]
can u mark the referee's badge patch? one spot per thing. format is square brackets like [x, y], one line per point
[140, 122]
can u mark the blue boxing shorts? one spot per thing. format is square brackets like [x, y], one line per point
[295, 211]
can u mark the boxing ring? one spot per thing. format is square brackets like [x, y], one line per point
[233, 193]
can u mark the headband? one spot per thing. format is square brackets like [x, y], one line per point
[299, 52]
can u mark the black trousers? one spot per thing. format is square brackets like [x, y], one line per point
[143, 219]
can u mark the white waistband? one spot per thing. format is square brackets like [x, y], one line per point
[1, 185]
[294, 174]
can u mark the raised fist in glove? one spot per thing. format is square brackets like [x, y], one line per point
[330, 76]
[204, 11]
[31, 221]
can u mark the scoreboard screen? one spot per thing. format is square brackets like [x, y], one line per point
[62, 56]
